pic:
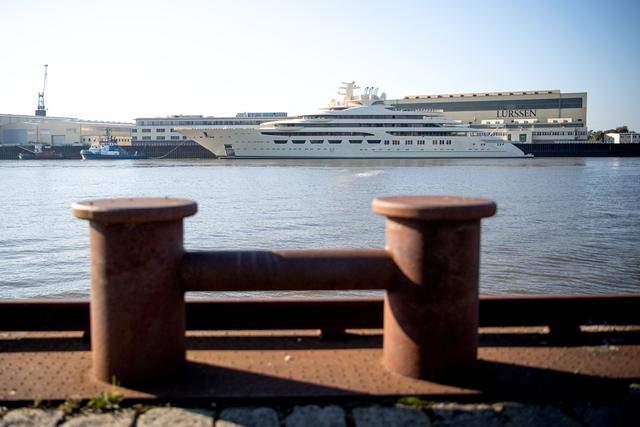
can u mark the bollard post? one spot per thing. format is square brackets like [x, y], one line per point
[137, 305]
[431, 313]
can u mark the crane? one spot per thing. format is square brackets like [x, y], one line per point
[41, 111]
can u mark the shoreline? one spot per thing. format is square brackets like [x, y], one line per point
[194, 151]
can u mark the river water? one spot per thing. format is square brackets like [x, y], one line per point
[569, 225]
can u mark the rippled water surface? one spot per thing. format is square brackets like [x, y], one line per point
[563, 225]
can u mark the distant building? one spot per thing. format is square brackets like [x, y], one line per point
[25, 130]
[622, 138]
[518, 116]
[162, 129]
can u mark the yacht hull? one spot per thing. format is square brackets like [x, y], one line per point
[250, 143]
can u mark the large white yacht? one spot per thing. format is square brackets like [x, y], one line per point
[358, 127]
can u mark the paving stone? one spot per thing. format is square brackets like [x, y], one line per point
[123, 418]
[459, 415]
[176, 417]
[523, 415]
[611, 415]
[316, 416]
[379, 416]
[31, 417]
[248, 417]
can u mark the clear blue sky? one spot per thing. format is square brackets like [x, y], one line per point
[118, 60]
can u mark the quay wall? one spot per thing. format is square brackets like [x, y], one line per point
[191, 150]
[580, 149]
[151, 150]
[10, 152]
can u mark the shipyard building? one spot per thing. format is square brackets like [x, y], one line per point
[152, 130]
[520, 116]
[28, 130]
[622, 138]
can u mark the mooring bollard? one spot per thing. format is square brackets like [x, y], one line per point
[431, 314]
[139, 272]
[137, 306]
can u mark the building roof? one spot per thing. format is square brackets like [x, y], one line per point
[481, 94]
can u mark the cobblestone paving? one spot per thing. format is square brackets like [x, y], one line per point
[437, 414]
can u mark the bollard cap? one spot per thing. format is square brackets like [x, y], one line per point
[434, 208]
[134, 210]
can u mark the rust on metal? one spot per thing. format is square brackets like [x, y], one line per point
[134, 210]
[434, 208]
[317, 269]
[137, 306]
[431, 317]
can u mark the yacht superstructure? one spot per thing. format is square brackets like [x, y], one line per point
[359, 127]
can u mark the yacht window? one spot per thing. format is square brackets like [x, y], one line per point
[355, 141]
[373, 141]
[280, 141]
[298, 134]
[298, 141]
[335, 141]
[316, 141]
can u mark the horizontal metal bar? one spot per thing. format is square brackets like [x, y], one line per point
[333, 313]
[322, 269]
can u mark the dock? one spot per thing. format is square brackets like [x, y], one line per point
[431, 350]
[191, 150]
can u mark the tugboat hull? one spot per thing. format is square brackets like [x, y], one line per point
[87, 155]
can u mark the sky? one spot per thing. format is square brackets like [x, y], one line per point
[120, 60]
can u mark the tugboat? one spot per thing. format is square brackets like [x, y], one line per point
[108, 149]
[38, 153]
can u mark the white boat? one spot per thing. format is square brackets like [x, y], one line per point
[359, 127]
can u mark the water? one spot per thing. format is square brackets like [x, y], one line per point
[567, 225]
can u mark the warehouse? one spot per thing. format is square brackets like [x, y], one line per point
[28, 130]
[520, 116]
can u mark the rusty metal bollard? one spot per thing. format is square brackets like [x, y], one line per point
[431, 313]
[137, 305]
